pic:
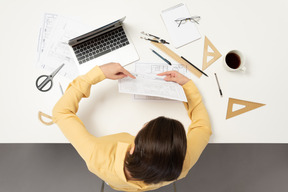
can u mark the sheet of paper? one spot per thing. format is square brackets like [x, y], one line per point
[53, 48]
[151, 85]
[150, 98]
[155, 68]
[183, 34]
[45, 31]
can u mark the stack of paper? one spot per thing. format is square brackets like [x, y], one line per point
[152, 85]
[147, 83]
[53, 48]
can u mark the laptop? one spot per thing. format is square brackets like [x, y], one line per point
[106, 44]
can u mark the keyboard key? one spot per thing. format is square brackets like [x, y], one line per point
[123, 40]
[80, 58]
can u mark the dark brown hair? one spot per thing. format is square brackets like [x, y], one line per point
[160, 149]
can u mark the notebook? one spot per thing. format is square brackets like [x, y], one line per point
[184, 34]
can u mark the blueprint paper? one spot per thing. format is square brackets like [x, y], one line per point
[152, 85]
[53, 48]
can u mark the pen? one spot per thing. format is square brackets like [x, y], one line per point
[150, 39]
[168, 62]
[194, 66]
[218, 84]
[61, 89]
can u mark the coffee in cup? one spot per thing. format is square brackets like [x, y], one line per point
[234, 61]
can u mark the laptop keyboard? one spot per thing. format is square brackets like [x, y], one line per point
[100, 45]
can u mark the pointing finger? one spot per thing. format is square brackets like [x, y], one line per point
[127, 73]
[165, 73]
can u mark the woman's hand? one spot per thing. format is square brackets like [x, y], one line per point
[175, 77]
[115, 71]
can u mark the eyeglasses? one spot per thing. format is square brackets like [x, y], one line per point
[181, 21]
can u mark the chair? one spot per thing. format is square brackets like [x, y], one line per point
[102, 187]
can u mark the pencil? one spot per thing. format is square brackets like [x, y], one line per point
[61, 89]
[168, 62]
[218, 85]
[194, 66]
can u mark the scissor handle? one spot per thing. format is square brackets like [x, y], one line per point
[40, 86]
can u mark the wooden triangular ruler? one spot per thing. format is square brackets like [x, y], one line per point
[177, 58]
[248, 107]
[215, 54]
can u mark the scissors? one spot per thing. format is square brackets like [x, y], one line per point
[43, 80]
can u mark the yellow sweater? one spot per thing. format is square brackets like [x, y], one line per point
[104, 156]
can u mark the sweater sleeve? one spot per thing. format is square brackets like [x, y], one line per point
[199, 131]
[64, 112]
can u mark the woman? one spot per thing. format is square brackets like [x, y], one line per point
[159, 154]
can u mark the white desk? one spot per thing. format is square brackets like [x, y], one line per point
[258, 28]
